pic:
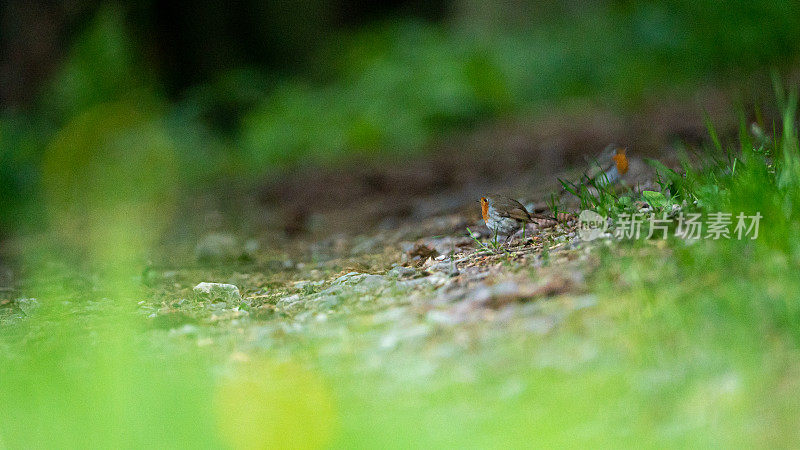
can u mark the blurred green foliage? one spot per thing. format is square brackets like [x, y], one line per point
[104, 64]
[65, 390]
[394, 86]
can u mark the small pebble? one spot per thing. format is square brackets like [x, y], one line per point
[218, 292]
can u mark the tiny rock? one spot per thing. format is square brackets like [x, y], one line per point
[422, 251]
[218, 292]
[400, 272]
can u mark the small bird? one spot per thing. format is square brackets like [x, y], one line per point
[607, 170]
[505, 216]
[609, 167]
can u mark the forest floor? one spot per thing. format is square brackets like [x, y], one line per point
[376, 312]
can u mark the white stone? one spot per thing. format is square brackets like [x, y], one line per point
[28, 305]
[218, 292]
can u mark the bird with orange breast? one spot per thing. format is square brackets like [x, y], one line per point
[609, 167]
[505, 216]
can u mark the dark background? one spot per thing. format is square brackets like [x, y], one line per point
[188, 42]
[261, 90]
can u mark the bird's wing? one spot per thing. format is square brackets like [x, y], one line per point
[519, 214]
[513, 209]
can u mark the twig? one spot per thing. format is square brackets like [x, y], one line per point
[485, 247]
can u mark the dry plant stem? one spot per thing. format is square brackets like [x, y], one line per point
[494, 249]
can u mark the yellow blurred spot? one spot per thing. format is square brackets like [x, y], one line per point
[109, 178]
[240, 357]
[274, 405]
